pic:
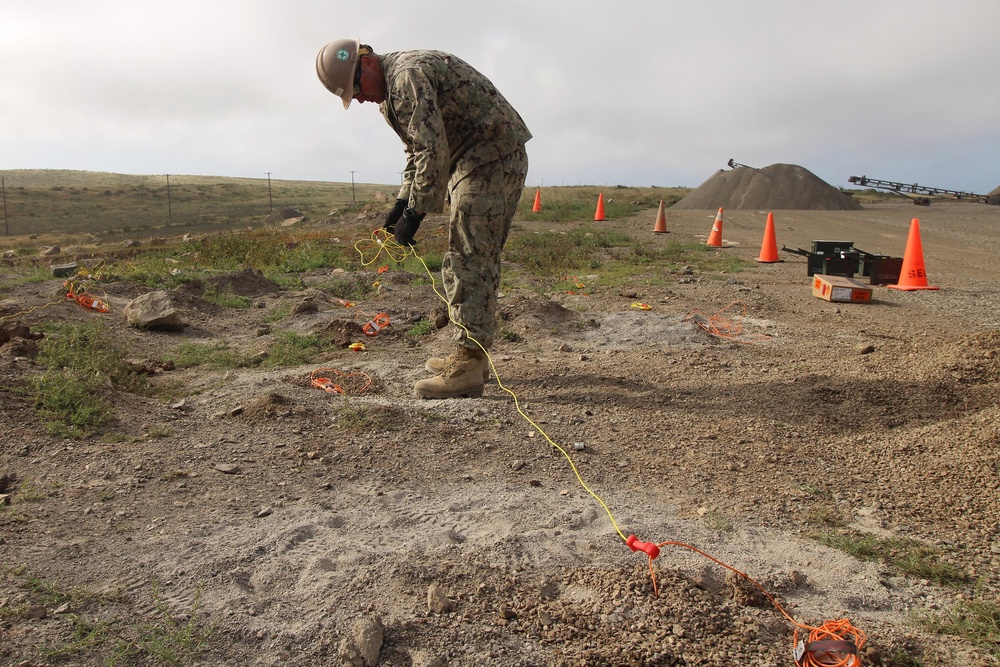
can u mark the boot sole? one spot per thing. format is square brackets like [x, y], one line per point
[472, 392]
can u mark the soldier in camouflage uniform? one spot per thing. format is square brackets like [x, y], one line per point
[464, 142]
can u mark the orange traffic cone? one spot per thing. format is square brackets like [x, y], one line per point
[769, 247]
[913, 276]
[538, 202]
[661, 221]
[599, 214]
[715, 238]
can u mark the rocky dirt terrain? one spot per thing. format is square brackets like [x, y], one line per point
[244, 517]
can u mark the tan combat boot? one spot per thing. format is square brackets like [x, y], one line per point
[437, 364]
[462, 376]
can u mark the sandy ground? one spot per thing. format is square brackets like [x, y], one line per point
[276, 524]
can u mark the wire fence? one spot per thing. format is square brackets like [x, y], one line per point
[109, 204]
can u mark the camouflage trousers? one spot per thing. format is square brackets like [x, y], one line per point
[483, 202]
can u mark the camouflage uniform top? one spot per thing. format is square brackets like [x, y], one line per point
[450, 117]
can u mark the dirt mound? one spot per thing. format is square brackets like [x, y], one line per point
[777, 187]
[285, 214]
[248, 282]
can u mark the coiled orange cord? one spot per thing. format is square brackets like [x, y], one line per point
[718, 326]
[832, 644]
[322, 378]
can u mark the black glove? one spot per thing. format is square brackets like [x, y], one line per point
[407, 227]
[394, 215]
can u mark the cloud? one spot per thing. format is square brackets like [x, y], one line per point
[637, 93]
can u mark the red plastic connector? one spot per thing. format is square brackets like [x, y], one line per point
[635, 544]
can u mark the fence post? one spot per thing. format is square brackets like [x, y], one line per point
[170, 210]
[3, 183]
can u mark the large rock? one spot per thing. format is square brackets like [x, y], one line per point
[154, 311]
[363, 646]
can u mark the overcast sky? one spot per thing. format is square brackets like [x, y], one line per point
[637, 92]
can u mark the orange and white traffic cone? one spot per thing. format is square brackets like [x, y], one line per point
[913, 276]
[715, 238]
[661, 221]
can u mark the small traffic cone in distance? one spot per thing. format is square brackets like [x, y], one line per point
[769, 246]
[913, 276]
[538, 202]
[661, 221]
[599, 214]
[715, 238]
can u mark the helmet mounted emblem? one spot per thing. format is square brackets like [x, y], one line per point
[343, 54]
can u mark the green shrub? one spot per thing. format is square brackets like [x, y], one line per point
[82, 365]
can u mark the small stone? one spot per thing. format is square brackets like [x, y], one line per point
[438, 601]
[227, 468]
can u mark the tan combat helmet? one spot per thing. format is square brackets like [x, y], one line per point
[336, 64]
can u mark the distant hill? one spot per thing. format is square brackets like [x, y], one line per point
[777, 187]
